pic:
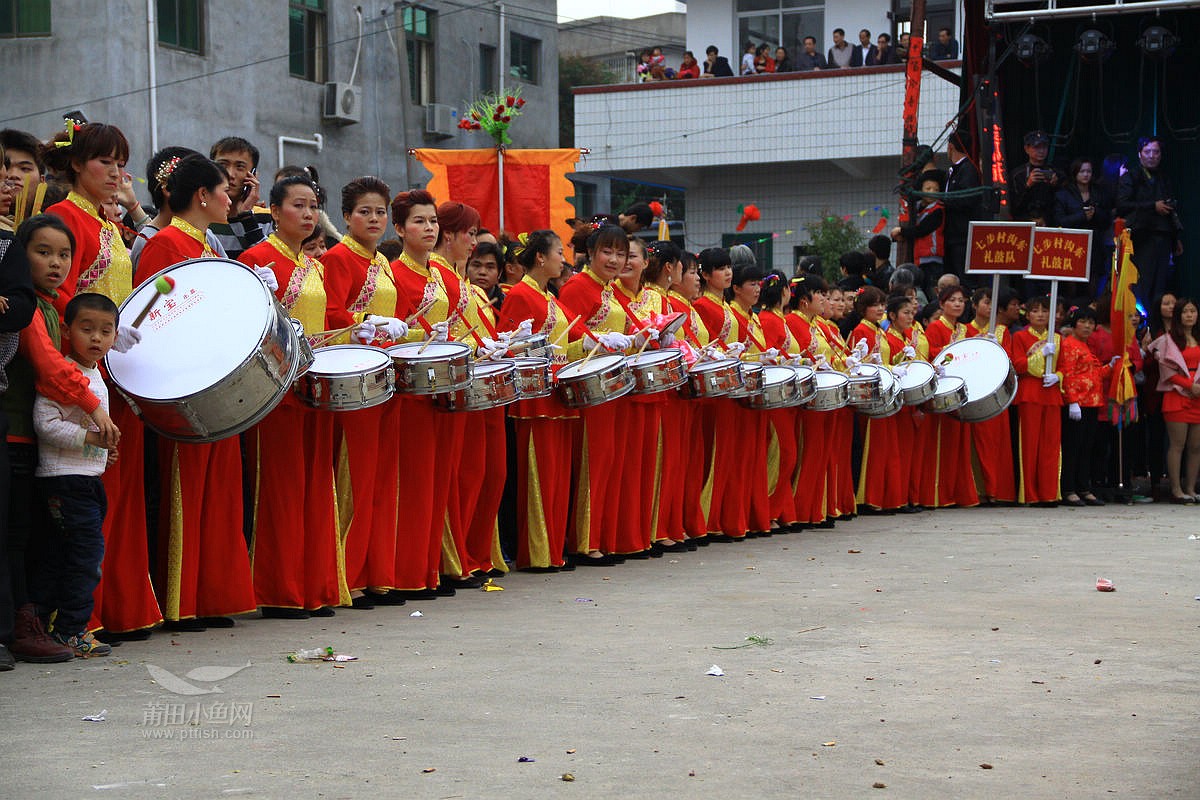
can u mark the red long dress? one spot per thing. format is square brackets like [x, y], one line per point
[947, 478]
[203, 565]
[812, 466]
[752, 431]
[124, 599]
[359, 283]
[991, 439]
[879, 484]
[597, 512]
[783, 443]
[295, 551]
[691, 444]
[1039, 416]
[546, 431]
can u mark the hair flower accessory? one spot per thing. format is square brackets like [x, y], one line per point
[165, 170]
[71, 126]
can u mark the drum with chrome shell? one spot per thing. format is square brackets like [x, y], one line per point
[347, 377]
[431, 368]
[217, 354]
[988, 373]
[590, 382]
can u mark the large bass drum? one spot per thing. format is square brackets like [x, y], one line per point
[987, 372]
[217, 353]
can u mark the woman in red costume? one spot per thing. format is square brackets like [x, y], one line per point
[203, 566]
[295, 550]
[361, 291]
[92, 158]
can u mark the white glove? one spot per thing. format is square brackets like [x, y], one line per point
[364, 332]
[1050, 380]
[524, 329]
[1048, 349]
[666, 339]
[1115, 360]
[852, 361]
[127, 337]
[909, 352]
[939, 370]
[1075, 412]
[440, 331]
[821, 362]
[268, 277]
[861, 349]
[615, 341]
[876, 358]
[770, 355]
[900, 371]
[389, 327]
[645, 335]
[735, 350]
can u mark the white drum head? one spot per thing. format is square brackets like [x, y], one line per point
[348, 359]
[981, 363]
[708, 366]
[438, 351]
[595, 366]
[918, 373]
[486, 368]
[655, 357]
[775, 375]
[828, 380]
[886, 379]
[211, 322]
[948, 384]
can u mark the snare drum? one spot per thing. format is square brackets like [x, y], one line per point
[591, 382]
[443, 367]
[864, 390]
[493, 384]
[535, 377]
[806, 384]
[347, 377]
[536, 345]
[918, 382]
[657, 371]
[716, 378]
[215, 357]
[831, 391]
[890, 401]
[950, 395]
[752, 381]
[779, 389]
[987, 372]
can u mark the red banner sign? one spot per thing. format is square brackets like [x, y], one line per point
[1061, 254]
[1004, 248]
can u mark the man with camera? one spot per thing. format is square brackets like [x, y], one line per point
[1146, 199]
[1033, 185]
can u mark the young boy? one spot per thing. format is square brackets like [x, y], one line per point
[1039, 406]
[71, 458]
[923, 227]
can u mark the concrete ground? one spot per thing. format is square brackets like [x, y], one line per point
[904, 653]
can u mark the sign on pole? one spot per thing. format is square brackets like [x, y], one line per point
[999, 248]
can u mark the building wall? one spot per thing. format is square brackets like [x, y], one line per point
[616, 42]
[836, 115]
[712, 22]
[201, 98]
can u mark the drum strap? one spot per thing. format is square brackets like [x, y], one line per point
[378, 264]
[103, 261]
[632, 305]
[606, 298]
[749, 323]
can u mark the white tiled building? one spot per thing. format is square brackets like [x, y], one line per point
[793, 144]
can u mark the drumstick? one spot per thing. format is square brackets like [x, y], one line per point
[643, 347]
[319, 339]
[162, 285]
[588, 357]
[420, 312]
[558, 339]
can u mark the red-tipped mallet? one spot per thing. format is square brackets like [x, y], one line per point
[163, 284]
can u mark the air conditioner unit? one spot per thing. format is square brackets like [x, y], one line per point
[440, 120]
[343, 103]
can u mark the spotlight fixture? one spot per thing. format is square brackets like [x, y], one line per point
[1157, 42]
[1031, 49]
[1094, 47]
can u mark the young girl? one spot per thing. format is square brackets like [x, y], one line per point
[1084, 382]
[809, 297]
[783, 435]
[685, 289]
[880, 487]
[923, 227]
[908, 343]
[1178, 353]
[1039, 407]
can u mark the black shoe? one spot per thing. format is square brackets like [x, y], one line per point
[116, 639]
[278, 612]
[1093, 501]
[323, 611]
[675, 547]
[494, 573]
[566, 567]
[593, 561]
[362, 603]
[7, 662]
[445, 591]
[700, 541]
[909, 509]
[414, 594]
[461, 583]
[724, 537]
[825, 526]
[796, 527]
[217, 622]
[538, 570]
[389, 598]
[184, 626]
[690, 545]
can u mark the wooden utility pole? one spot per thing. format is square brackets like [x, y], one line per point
[912, 103]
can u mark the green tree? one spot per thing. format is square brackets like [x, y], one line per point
[576, 71]
[831, 236]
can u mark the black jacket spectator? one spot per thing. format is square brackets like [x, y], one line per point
[1069, 211]
[879, 58]
[719, 69]
[855, 58]
[1036, 201]
[1137, 192]
[961, 210]
[943, 50]
[866, 56]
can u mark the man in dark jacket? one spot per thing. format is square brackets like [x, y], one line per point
[715, 66]
[962, 175]
[1146, 199]
[1033, 185]
[810, 59]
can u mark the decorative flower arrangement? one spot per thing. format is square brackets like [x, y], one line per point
[494, 112]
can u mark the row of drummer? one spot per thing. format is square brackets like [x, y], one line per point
[398, 500]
